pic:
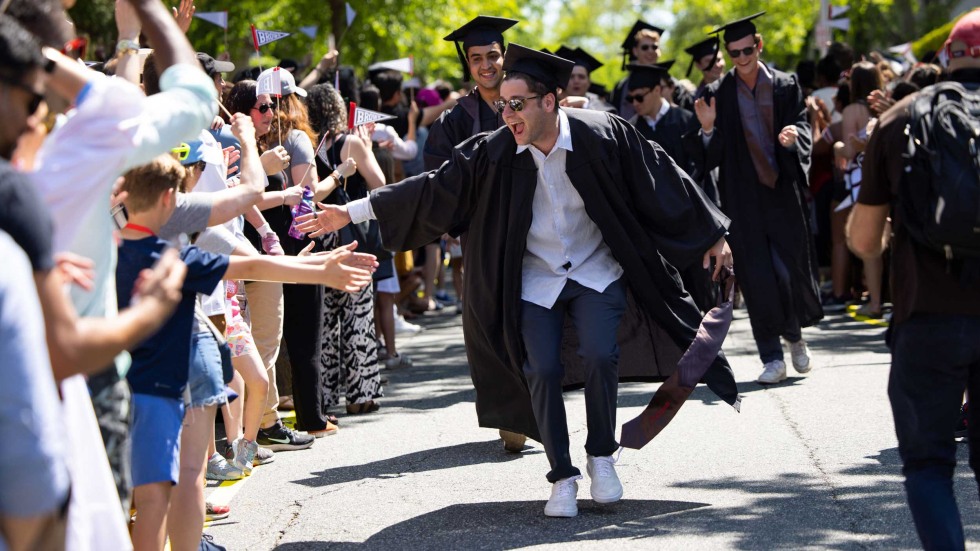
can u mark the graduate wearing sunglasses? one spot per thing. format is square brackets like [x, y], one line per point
[754, 128]
[567, 212]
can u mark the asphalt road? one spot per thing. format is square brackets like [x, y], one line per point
[809, 463]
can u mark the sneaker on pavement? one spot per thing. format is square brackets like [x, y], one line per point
[835, 304]
[800, 353]
[220, 469]
[513, 441]
[280, 438]
[563, 501]
[244, 455]
[773, 372]
[606, 487]
[214, 512]
[398, 361]
[403, 327]
[263, 456]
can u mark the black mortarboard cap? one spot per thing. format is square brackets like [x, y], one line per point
[482, 30]
[646, 76]
[550, 70]
[707, 46]
[579, 56]
[637, 27]
[738, 29]
[630, 41]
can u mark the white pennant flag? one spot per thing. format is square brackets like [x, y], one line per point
[842, 24]
[262, 38]
[309, 31]
[360, 116]
[219, 18]
[269, 82]
[404, 65]
[351, 14]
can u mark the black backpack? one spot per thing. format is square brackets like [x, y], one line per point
[940, 192]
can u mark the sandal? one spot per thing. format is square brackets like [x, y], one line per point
[866, 311]
[364, 407]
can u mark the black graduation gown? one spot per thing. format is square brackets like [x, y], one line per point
[469, 117]
[677, 133]
[651, 215]
[763, 217]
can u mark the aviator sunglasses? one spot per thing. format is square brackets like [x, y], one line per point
[264, 107]
[735, 54]
[516, 104]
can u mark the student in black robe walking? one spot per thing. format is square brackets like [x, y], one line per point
[675, 130]
[754, 127]
[567, 211]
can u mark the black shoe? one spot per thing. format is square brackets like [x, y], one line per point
[207, 544]
[279, 438]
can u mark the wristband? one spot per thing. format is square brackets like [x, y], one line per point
[127, 47]
[264, 229]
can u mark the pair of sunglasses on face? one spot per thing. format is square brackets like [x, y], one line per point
[36, 98]
[637, 98]
[735, 54]
[647, 47]
[264, 107]
[516, 104]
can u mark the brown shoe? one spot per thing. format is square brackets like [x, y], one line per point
[513, 442]
[329, 430]
[286, 403]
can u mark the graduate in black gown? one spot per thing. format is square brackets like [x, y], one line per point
[482, 57]
[755, 128]
[675, 130]
[610, 202]
[580, 83]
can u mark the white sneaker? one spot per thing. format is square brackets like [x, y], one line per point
[773, 372]
[403, 327]
[606, 487]
[801, 356]
[563, 501]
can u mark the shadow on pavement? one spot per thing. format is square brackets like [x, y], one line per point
[517, 524]
[435, 459]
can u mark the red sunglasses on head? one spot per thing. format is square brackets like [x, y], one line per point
[75, 48]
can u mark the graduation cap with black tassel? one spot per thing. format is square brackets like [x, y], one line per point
[482, 30]
[630, 41]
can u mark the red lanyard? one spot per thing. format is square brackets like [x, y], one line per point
[136, 227]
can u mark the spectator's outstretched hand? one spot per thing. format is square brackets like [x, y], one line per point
[346, 270]
[330, 218]
[184, 14]
[75, 269]
[347, 168]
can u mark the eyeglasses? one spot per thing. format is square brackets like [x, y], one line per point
[636, 98]
[735, 54]
[647, 47]
[516, 104]
[36, 98]
[264, 107]
[182, 151]
[75, 48]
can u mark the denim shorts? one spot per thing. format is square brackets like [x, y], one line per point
[205, 380]
[156, 439]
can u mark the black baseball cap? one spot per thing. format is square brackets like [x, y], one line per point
[738, 29]
[212, 66]
[550, 70]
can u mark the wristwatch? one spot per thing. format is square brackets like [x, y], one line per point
[127, 47]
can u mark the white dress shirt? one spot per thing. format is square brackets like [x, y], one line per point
[664, 107]
[563, 242]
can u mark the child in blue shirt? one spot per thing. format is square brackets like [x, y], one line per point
[158, 375]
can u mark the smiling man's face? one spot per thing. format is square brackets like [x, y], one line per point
[486, 65]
